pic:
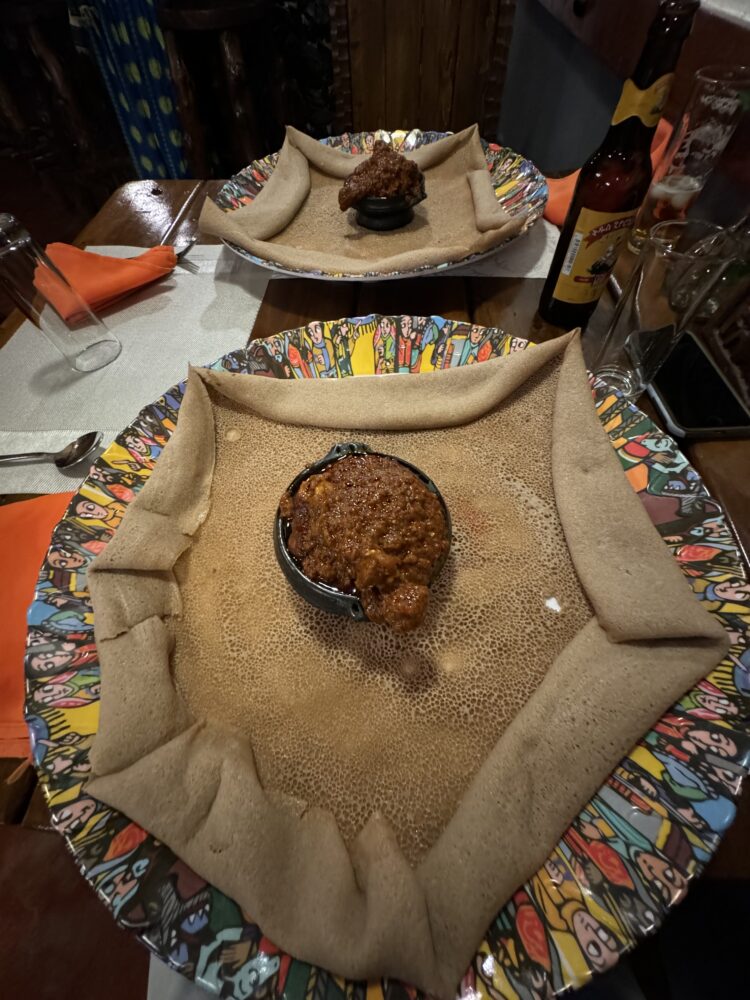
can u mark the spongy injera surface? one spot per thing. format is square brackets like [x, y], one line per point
[444, 219]
[349, 716]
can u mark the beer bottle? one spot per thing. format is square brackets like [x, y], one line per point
[614, 181]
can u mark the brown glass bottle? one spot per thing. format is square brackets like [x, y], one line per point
[614, 181]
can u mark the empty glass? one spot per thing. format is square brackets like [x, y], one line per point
[720, 96]
[690, 276]
[43, 294]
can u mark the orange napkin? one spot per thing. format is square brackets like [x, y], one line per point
[561, 188]
[99, 280]
[25, 531]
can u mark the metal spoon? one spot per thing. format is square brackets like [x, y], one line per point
[72, 453]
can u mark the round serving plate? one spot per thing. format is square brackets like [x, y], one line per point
[519, 187]
[622, 863]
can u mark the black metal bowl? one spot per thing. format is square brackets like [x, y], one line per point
[382, 214]
[322, 595]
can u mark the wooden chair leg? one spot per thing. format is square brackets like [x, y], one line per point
[53, 70]
[246, 133]
[9, 112]
[195, 136]
[342, 74]
[498, 68]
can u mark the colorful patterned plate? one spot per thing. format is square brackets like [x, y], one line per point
[620, 866]
[519, 187]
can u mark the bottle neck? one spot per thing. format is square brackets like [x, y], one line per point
[645, 93]
[666, 36]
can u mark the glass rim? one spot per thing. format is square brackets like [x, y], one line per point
[663, 245]
[721, 73]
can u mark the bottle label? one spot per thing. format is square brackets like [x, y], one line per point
[592, 252]
[645, 104]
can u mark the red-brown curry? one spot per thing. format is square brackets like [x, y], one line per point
[385, 175]
[368, 524]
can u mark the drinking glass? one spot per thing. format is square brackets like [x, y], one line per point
[716, 104]
[690, 276]
[43, 294]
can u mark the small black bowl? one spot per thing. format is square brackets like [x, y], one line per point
[322, 595]
[383, 214]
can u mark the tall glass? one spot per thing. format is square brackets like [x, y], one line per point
[690, 275]
[720, 96]
[43, 294]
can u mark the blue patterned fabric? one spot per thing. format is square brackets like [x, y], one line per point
[128, 45]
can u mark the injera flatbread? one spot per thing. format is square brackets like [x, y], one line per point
[241, 727]
[295, 220]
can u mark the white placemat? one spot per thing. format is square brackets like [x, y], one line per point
[529, 256]
[183, 319]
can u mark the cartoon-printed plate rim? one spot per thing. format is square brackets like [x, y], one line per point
[512, 176]
[623, 862]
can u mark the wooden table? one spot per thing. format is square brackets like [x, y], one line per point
[144, 213]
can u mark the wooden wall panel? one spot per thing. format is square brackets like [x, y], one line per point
[342, 74]
[367, 62]
[440, 29]
[477, 32]
[433, 64]
[403, 57]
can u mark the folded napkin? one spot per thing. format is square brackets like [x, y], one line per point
[296, 221]
[561, 188]
[25, 529]
[372, 800]
[99, 280]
